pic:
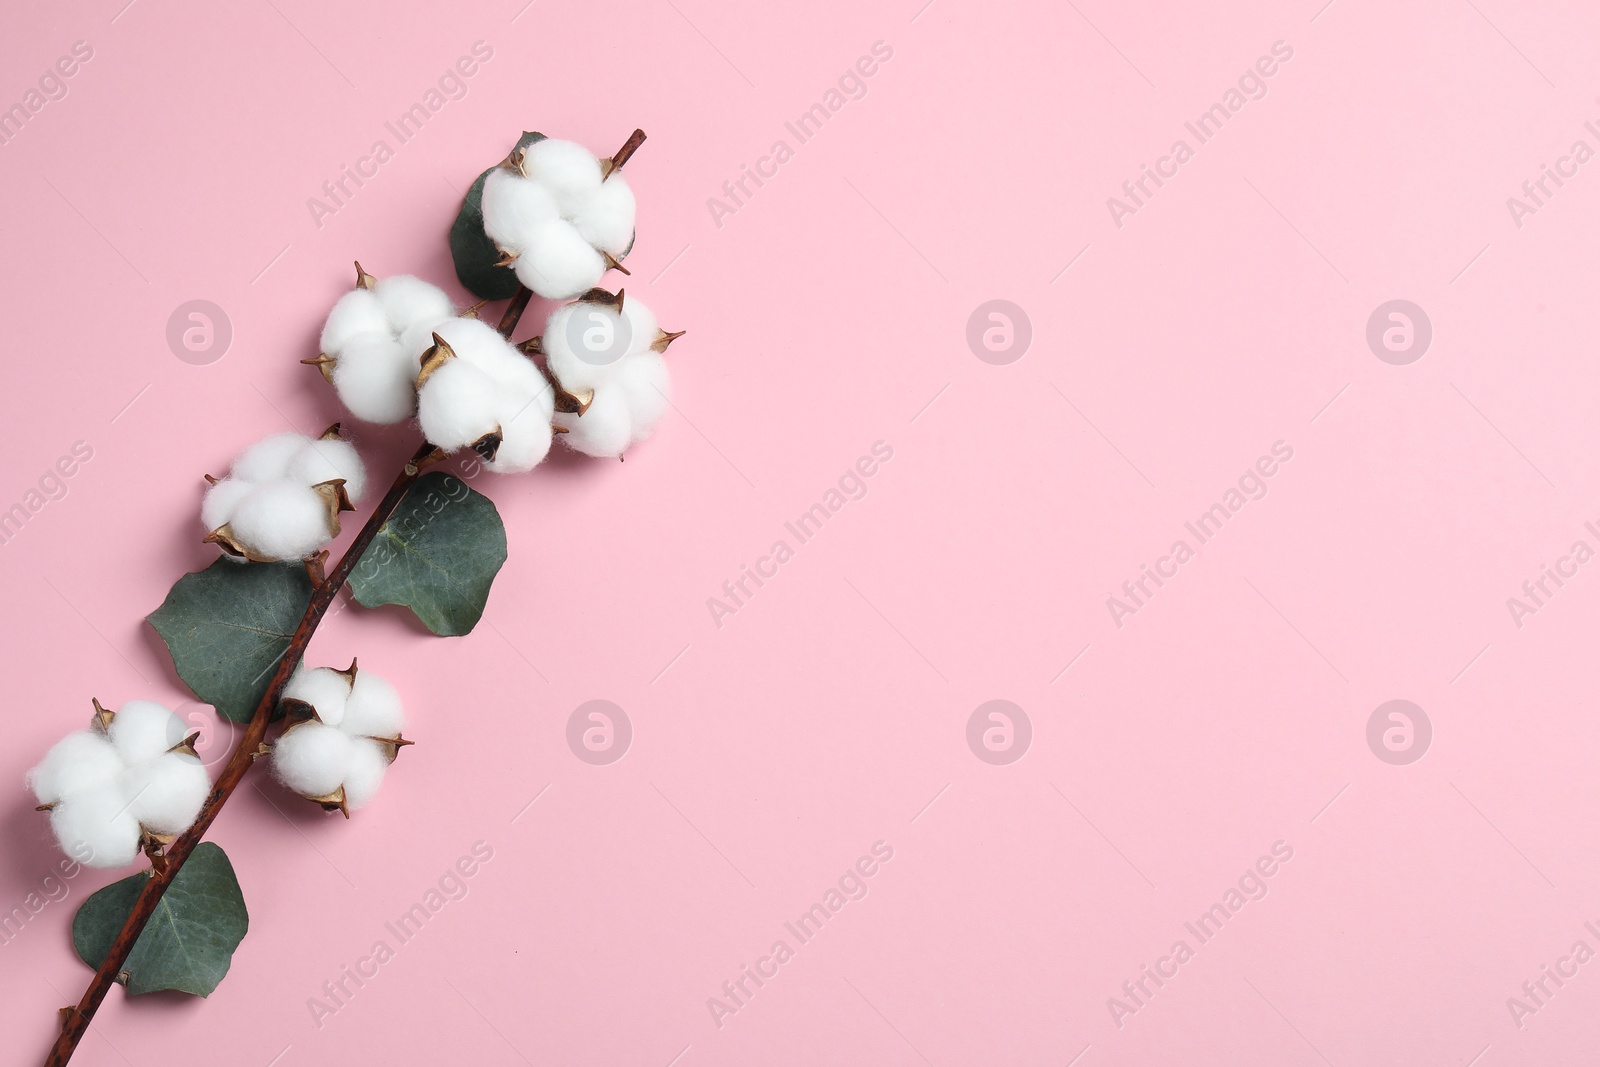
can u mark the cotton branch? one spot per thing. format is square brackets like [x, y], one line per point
[75, 1019]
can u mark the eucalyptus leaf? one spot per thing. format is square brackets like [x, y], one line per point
[228, 626]
[437, 555]
[474, 253]
[188, 943]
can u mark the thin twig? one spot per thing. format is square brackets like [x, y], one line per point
[75, 1020]
[514, 310]
[625, 153]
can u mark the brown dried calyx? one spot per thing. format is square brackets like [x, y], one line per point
[435, 357]
[488, 446]
[605, 298]
[333, 494]
[223, 537]
[568, 403]
[323, 363]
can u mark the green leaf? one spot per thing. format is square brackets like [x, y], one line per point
[437, 555]
[470, 247]
[189, 940]
[228, 625]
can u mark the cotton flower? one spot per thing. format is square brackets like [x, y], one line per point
[346, 733]
[282, 499]
[477, 390]
[132, 778]
[605, 352]
[362, 354]
[561, 217]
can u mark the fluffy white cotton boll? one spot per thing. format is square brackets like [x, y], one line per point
[368, 764]
[575, 374]
[323, 688]
[312, 759]
[458, 404]
[558, 263]
[524, 401]
[355, 313]
[322, 461]
[375, 377]
[642, 325]
[166, 793]
[514, 207]
[605, 430]
[142, 730]
[521, 384]
[281, 520]
[566, 168]
[479, 344]
[220, 500]
[524, 444]
[583, 342]
[268, 458]
[605, 216]
[374, 708]
[96, 828]
[416, 341]
[410, 301]
[643, 379]
[80, 761]
[526, 406]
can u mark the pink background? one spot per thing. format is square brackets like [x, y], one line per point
[829, 313]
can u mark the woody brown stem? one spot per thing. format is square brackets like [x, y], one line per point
[75, 1020]
[625, 153]
[514, 310]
